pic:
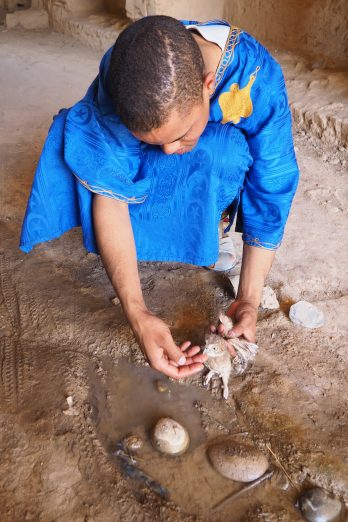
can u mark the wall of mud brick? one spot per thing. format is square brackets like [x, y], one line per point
[314, 27]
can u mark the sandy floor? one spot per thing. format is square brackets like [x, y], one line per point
[61, 336]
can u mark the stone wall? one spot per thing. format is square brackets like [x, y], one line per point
[313, 27]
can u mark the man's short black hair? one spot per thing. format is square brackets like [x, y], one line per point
[156, 66]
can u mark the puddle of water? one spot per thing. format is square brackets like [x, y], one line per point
[128, 402]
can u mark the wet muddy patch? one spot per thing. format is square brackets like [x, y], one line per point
[126, 400]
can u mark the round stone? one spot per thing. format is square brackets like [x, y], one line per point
[307, 315]
[239, 462]
[162, 386]
[317, 505]
[133, 443]
[170, 437]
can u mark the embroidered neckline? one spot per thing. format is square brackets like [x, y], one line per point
[227, 55]
[228, 51]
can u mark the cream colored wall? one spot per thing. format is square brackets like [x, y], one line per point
[315, 27]
[116, 7]
[182, 9]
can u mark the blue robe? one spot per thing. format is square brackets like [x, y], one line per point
[244, 160]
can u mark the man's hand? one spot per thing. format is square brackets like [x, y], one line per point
[256, 264]
[244, 317]
[163, 354]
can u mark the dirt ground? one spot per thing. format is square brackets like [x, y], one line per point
[61, 336]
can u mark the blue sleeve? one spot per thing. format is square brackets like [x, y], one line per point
[271, 182]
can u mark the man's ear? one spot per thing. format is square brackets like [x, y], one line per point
[209, 82]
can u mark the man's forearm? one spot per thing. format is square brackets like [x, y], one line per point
[115, 240]
[256, 264]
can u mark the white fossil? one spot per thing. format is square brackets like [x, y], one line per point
[220, 361]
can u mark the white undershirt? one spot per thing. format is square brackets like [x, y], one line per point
[217, 34]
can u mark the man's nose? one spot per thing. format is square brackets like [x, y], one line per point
[171, 148]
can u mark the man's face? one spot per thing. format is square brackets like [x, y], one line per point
[181, 132]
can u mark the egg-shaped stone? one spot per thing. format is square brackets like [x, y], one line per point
[239, 462]
[317, 505]
[170, 437]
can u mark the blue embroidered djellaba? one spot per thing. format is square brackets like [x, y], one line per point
[244, 161]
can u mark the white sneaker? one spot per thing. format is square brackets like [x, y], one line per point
[227, 255]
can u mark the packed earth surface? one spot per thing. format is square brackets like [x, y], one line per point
[74, 381]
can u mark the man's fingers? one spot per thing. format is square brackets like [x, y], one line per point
[185, 371]
[193, 351]
[199, 358]
[181, 371]
[237, 330]
[213, 328]
[185, 346]
[242, 329]
[221, 329]
[174, 353]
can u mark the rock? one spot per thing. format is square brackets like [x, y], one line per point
[71, 411]
[234, 280]
[236, 461]
[133, 443]
[317, 505]
[269, 299]
[28, 18]
[170, 437]
[162, 386]
[306, 314]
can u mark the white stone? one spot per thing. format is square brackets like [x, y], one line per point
[71, 411]
[170, 437]
[319, 506]
[269, 299]
[239, 462]
[307, 315]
